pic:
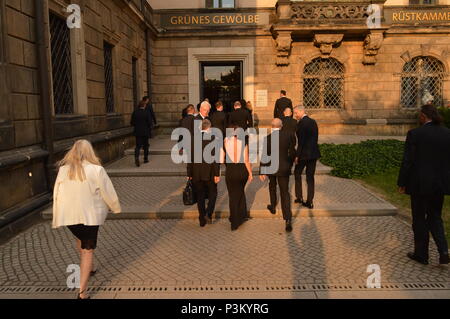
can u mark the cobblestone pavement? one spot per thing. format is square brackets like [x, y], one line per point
[165, 194]
[178, 253]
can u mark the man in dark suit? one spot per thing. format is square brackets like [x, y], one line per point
[425, 176]
[142, 122]
[279, 144]
[307, 155]
[281, 104]
[219, 118]
[205, 177]
[241, 117]
[289, 123]
[187, 122]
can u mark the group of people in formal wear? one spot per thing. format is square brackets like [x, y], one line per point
[296, 144]
[84, 194]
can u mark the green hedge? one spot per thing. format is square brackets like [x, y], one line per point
[445, 112]
[361, 159]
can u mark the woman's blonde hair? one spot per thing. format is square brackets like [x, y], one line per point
[81, 150]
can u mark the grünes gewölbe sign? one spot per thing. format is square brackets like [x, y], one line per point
[215, 19]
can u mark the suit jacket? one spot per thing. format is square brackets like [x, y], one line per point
[280, 105]
[219, 120]
[149, 109]
[203, 171]
[286, 152]
[307, 138]
[241, 117]
[142, 122]
[188, 123]
[425, 168]
[289, 124]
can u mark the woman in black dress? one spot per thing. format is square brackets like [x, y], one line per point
[238, 172]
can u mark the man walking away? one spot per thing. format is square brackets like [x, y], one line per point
[219, 118]
[307, 155]
[282, 103]
[289, 123]
[282, 144]
[205, 177]
[425, 176]
[142, 122]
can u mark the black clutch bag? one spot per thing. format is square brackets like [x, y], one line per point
[188, 194]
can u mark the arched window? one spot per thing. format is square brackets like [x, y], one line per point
[323, 84]
[422, 82]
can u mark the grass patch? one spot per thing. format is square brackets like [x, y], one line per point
[386, 184]
[375, 163]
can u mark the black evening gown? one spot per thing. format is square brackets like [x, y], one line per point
[236, 177]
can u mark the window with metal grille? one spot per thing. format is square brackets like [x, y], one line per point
[422, 79]
[135, 84]
[415, 2]
[109, 83]
[217, 4]
[323, 84]
[61, 65]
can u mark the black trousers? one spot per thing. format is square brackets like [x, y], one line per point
[427, 217]
[236, 178]
[141, 142]
[285, 196]
[205, 190]
[310, 172]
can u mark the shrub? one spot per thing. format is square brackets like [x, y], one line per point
[445, 113]
[361, 159]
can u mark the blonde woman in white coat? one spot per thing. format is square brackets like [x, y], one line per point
[82, 197]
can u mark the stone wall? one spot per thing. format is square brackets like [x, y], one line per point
[23, 155]
[372, 92]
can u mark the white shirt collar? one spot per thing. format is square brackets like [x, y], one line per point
[276, 129]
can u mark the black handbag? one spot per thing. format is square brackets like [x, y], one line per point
[189, 197]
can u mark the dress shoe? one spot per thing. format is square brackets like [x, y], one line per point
[444, 259]
[136, 161]
[299, 201]
[308, 205]
[233, 228]
[417, 259]
[271, 209]
[288, 226]
[145, 161]
[202, 222]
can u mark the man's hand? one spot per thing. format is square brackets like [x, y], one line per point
[297, 160]
[216, 179]
[250, 178]
[262, 178]
[402, 190]
[189, 178]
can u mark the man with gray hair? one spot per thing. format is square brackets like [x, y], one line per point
[306, 156]
[279, 151]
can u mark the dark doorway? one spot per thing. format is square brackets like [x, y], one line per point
[221, 81]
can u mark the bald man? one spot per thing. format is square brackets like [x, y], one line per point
[279, 144]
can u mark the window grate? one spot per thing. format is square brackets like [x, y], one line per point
[323, 84]
[109, 84]
[61, 65]
[422, 81]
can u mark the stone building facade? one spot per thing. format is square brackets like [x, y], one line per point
[64, 78]
[354, 77]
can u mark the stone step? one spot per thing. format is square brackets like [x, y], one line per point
[162, 165]
[161, 198]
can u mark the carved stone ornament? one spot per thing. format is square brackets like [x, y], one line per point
[284, 45]
[325, 42]
[372, 43]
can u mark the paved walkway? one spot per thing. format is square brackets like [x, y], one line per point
[322, 257]
[156, 248]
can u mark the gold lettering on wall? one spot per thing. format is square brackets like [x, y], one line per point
[217, 19]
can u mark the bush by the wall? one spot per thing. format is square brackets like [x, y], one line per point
[445, 113]
[365, 158]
